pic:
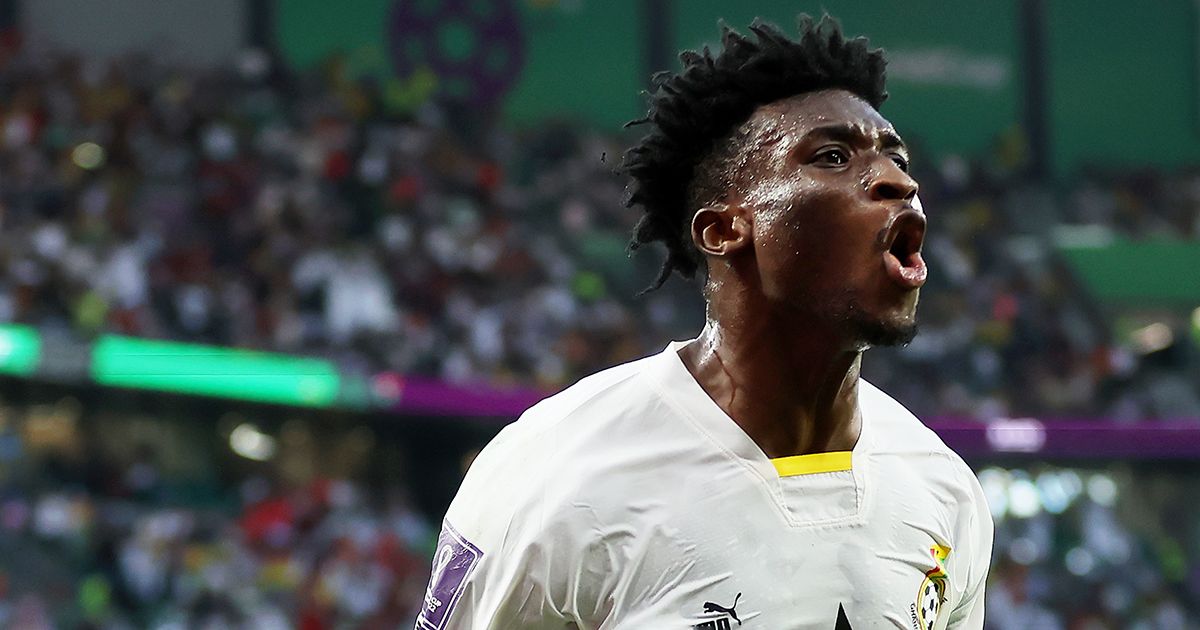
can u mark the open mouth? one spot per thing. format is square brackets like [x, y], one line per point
[903, 256]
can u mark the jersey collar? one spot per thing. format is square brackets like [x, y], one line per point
[678, 385]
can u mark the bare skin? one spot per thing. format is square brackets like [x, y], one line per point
[813, 256]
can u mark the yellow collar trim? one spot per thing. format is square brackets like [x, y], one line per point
[812, 463]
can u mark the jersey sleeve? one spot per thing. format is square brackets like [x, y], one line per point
[513, 551]
[968, 614]
[478, 587]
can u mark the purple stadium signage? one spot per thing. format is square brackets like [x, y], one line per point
[1072, 439]
[1019, 437]
[413, 395]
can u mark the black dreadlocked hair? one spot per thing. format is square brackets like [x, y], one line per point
[695, 112]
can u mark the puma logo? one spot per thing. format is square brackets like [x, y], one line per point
[710, 607]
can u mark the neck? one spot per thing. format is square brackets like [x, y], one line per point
[791, 385]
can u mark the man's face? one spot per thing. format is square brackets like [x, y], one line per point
[837, 224]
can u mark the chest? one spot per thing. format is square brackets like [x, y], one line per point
[824, 552]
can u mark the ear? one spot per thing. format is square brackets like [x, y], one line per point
[722, 229]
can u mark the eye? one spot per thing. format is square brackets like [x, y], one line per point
[900, 161]
[832, 157]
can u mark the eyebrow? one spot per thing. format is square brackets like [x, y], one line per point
[853, 134]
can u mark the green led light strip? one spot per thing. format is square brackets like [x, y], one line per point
[214, 371]
[20, 349]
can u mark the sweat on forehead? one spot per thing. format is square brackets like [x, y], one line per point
[735, 157]
[801, 113]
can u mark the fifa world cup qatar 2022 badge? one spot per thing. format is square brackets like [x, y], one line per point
[932, 593]
[453, 563]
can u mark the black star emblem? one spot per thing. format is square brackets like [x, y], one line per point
[842, 622]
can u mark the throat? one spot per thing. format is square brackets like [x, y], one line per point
[808, 436]
[785, 409]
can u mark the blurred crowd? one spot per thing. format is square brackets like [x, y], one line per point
[1006, 326]
[113, 517]
[103, 528]
[316, 558]
[1095, 549]
[327, 215]
[306, 214]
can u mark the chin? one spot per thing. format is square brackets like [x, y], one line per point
[881, 333]
[869, 327]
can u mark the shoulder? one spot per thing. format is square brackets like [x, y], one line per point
[899, 432]
[559, 422]
[907, 449]
[553, 456]
[900, 437]
[530, 507]
[896, 429]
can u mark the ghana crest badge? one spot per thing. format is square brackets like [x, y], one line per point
[932, 593]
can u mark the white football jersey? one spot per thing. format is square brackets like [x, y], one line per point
[631, 501]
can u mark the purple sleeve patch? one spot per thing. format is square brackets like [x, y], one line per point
[453, 563]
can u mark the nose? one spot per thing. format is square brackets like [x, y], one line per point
[892, 184]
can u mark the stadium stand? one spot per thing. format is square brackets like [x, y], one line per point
[298, 214]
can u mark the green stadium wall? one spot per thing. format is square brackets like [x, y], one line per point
[1123, 76]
